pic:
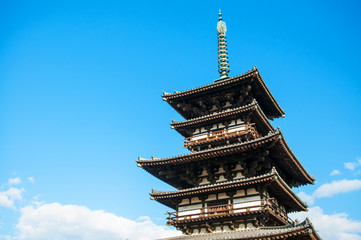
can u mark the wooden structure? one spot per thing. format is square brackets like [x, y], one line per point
[236, 182]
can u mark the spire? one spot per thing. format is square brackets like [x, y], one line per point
[223, 63]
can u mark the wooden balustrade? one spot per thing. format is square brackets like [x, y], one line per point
[221, 134]
[228, 209]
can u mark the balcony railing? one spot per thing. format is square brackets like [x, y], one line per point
[227, 209]
[219, 135]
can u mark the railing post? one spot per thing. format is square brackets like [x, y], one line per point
[247, 206]
[169, 218]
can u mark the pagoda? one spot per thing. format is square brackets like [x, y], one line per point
[236, 181]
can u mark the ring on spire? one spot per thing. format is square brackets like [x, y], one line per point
[223, 63]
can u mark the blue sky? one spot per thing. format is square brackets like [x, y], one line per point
[80, 86]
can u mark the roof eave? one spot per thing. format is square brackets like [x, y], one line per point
[275, 112]
[307, 176]
[280, 112]
[273, 176]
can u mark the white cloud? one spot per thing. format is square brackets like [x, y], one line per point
[332, 227]
[331, 189]
[31, 179]
[335, 172]
[336, 187]
[8, 197]
[307, 198]
[68, 222]
[14, 181]
[352, 165]
[36, 202]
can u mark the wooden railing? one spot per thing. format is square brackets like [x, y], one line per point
[226, 209]
[221, 134]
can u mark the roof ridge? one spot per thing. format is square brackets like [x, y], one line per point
[270, 134]
[249, 72]
[270, 173]
[231, 234]
[294, 224]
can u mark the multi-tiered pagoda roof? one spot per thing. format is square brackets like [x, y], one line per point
[236, 182]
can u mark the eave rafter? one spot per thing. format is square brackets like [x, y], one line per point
[253, 109]
[214, 116]
[209, 153]
[293, 202]
[287, 161]
[259, 89]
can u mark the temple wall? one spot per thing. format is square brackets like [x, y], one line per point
[243, 200]
[235, 124]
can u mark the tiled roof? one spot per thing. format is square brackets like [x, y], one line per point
[176, 94]
[270, 176]
[279, 232]
[159, 161]
[265, 98]
[288, 159]
[253, 106]
[273, 172]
